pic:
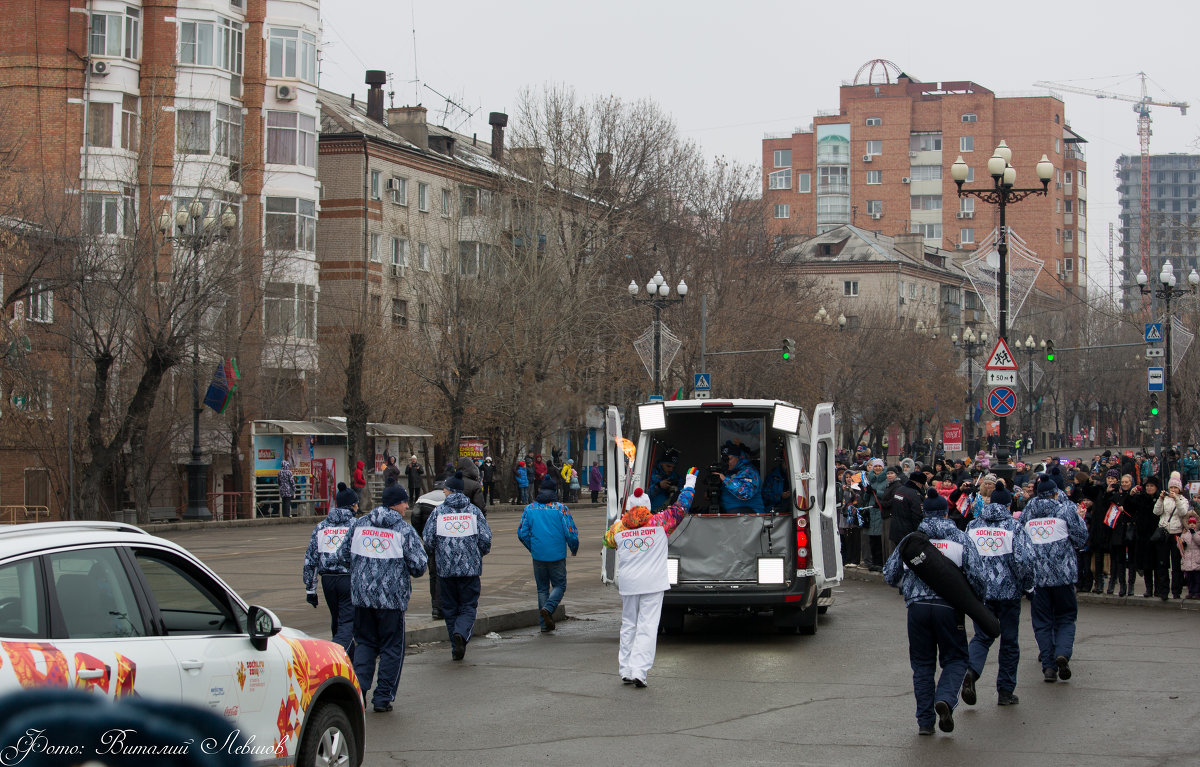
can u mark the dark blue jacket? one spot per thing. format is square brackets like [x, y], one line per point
[457, 555]
[319, 558]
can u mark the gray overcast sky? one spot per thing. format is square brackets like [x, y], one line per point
[731, 72]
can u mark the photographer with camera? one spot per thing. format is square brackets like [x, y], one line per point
[741, 486]
[665, 482]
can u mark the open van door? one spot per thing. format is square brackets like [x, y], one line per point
[823, 491]
[616, 471]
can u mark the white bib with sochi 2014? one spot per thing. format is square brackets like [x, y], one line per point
[331, 539]
[642, 561]
[457, 525]
[376, 543]
[1046, 530]
[992, 541]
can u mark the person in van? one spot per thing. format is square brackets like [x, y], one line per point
[665, 481]
[775, 491]
[741, 491]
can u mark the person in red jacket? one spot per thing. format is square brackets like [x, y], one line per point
[360, 478]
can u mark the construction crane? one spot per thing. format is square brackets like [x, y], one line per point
[1141, 105]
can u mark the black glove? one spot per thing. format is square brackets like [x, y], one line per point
[311, 598]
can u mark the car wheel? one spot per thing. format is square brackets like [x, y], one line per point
[670, 621]
[328, 740]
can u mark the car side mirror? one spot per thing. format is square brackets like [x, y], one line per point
[263, 625]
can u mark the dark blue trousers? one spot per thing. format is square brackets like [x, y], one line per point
[1008, 611]
[1054, 612]
[935, 636]
[379, 635]
[336, 587]
[460, 600]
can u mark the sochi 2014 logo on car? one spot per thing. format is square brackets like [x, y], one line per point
[638, 544]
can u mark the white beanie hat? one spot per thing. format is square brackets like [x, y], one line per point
[1175, 481]
[637, 498]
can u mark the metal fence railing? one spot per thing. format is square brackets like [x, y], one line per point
[16, 515]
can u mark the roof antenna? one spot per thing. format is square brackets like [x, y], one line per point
[391, 94]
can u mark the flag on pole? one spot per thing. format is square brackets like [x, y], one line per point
[678, 394]
[223, 385]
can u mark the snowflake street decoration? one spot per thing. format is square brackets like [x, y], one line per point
[644, 346]
[1181, 340]
[976, 372]
[1023, 376]
[983, 271]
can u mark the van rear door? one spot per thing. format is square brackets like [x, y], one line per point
[823, 514]
[615, 474]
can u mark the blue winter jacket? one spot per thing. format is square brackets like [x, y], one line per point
[1008, 569]
[1054, 560]
[743, 488]
[522, 475]
[896, 573]
[457, 555]
[318, 559]
[660, 497]
[387, 556]
[547, 529]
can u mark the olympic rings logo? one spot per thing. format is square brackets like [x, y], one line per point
[638, 544]
[377, 545]
[455, 527]
[991, 544]
[1041, 533]
[334, 539]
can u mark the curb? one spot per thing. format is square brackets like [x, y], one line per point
[504, 619]
[1193, 606]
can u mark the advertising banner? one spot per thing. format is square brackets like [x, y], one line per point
[952, 437]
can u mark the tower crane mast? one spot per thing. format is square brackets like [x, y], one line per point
[1141, 105]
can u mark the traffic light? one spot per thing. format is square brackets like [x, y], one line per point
[1153, 403]
[1049, 350]
[789, 349]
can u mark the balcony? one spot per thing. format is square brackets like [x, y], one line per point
[833, 187]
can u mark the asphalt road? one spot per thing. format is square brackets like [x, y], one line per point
[732, 691]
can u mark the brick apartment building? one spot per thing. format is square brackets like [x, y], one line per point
[136, 109]
[882, 162]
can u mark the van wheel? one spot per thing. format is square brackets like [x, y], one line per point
[670, 621]
[328, 739]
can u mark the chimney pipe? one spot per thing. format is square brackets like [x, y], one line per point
[375, 78]
[498, 121]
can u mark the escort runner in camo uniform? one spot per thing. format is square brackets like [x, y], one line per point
[321, 558]
[457, 533]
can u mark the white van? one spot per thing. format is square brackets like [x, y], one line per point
[785, 560]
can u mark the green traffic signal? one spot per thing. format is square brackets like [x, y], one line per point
[1049, 350]
[789, 348]
[1153, 404]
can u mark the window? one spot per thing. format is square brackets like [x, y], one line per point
[189, 602]
[874, 147]
[1066, 177]
[874, 121]
[196, 43]
[782, 211]
[1083, 207]
[94, 594]
[24, 615]
[474, 201]
[850, 288]
[193, 132]
[423, 257]
[399, 190]
[399, 252]
[292, 53]
[970, 118]
[292, 139]
[966, 143]
[114, 34]
[780, 179]
[1079, 178]
[967, 204]
[446, 202]
[445, 260]
[376, 245]
[783, 158]
[1068, 264]
[1068, 206]
[1058, 235]
[875, 207]
[99, 124]
[41, 303]
[803, 183]
[925, 142]
[290, 310]
[929, 231]
[423, 312]
[376, 180]
[422, 196]
[473, 258]
[925, 173]
[291, 224]
[111, 214]
[1068, 235]
[229, 46]
[874, 177]
[1058, 146]
[966, 236]
[925, 202]
[399, 312]
[129, 122]
[229, 131]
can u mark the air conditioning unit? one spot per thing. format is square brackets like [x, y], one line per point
[868, 158]
[906, 180]
[876, 216]
[393, 184]
[98, 68]
[285, 92]
[901, 299]
[965, 214]
[912, 154]
[397, 270]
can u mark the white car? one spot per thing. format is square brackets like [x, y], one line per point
[109, 608]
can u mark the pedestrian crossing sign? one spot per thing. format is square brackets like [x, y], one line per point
[1001, 358]
[1154, 332]
[701, 382]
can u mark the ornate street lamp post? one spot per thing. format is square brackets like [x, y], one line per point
[658, 294]
[1167, 292]
[971, 344]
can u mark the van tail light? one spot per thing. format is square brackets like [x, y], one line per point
[802, 553]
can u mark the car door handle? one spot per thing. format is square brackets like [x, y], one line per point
[191, 665]
[92, 673]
